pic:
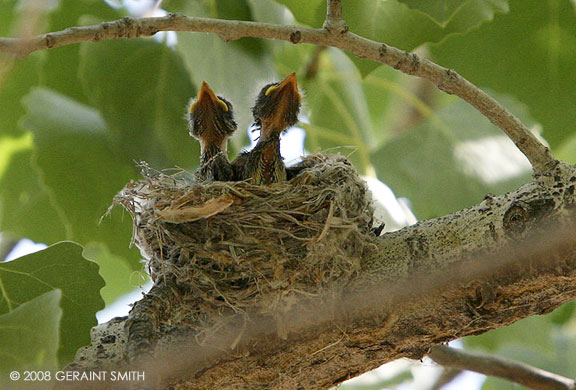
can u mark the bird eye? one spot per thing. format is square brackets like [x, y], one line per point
[222, 104]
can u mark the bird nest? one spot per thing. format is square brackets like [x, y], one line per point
[233, 247]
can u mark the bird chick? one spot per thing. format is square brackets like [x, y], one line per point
[211, 122]
[275, 110]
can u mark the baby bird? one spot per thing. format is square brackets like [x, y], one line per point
[275, 110]
[211, 122]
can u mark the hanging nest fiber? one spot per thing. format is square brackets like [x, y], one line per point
[233, 247]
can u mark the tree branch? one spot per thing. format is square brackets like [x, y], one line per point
[510, 370]
[446, 79]
[479, 269]
[334, 22]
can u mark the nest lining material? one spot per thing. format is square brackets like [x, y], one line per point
[233, 247]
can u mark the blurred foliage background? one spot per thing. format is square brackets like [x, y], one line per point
[74, 120]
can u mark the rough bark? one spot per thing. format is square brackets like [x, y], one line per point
[482, 268]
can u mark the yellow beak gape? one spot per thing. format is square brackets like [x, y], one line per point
[222, 104]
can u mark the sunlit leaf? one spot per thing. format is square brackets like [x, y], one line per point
[532, 331]
[77, 164]
[529, 53]
[395, 23]
[444, 10]
[30, 345]
[339, 115]
[439, 10]
[553, 353]
[119, 274]
[20, 76]
[7, 16]
[141, 88]
[60, 66]
[25, 207]
[269, 11]
[60, 266]
[567, 150]
[452, 160]
[563, 314]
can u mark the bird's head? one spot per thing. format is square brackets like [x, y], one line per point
[210, 117]
[277, 106]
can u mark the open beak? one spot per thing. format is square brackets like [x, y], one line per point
[207, 99]
[286, 88]
[285, 100]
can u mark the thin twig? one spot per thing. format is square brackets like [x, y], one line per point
[510, 370]
[334, 22]
[446, 79]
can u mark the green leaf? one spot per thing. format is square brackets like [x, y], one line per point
[393, 99]
[142, 88]
[439, 10]
[529, 53]
[118, 273]
[452, 160]
[442, 11]
[394, 23]
[29, 336]
[60, 66]
[310, 12]
[231, 70]
[339, 116]
[555, 357]
[19, 78]
[566, 151]
[60, 266]
[535, 332]
[269, 11]
[563, 314]
[25, 207]
[7, 8]
[79, 168]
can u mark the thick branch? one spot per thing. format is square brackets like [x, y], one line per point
[510, 370]
[446, 79]
[479, 269]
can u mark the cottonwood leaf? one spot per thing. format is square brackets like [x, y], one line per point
[60, 68]
[80, 169]
[25, 206]
[395, 23]
[442, 11]
[452, 160]
[60, 266]
[141, 89]
[529, 53]
[29, 336]
[339, 115]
